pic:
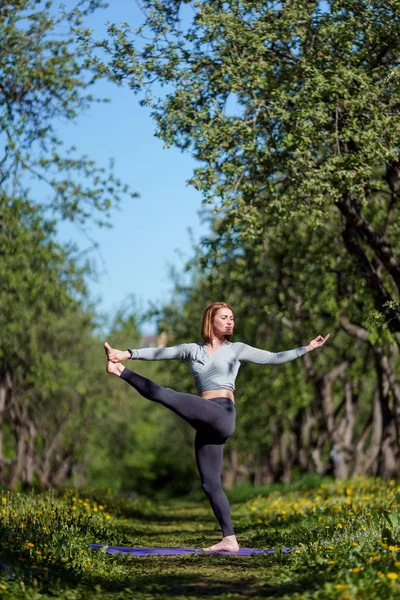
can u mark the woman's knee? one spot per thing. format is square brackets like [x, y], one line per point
[211, 487]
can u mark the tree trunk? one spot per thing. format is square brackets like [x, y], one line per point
[367, 448]
[235, 472]
[382, 298]
[387, 459]
[5, 395]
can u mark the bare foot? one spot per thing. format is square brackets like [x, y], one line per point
[227, 544]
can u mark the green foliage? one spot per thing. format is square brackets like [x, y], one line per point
[38, 277]
[308, 84]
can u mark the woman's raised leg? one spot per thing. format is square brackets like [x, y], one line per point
[196, 411]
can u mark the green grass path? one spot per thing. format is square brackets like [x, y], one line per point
[347, 536]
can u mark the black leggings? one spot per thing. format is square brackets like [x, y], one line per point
[214, 422]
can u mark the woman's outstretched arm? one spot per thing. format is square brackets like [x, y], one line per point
[264, 357]
[179, 352]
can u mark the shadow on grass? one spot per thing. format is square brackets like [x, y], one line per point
[215, 581]
[191, 514]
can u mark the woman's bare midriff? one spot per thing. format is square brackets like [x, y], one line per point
[218, 394]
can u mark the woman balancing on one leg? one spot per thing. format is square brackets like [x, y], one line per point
[214, 364]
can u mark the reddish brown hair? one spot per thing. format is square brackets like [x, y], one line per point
[208, 319]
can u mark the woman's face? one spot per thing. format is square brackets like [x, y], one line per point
[223, 322]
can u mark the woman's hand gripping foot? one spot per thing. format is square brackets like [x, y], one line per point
[227, 544]
[112, 368]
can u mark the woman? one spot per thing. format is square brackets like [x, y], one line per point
[214, 364]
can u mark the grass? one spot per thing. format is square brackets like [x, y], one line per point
[346, 535]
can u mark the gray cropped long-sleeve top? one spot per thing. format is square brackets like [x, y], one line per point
[218, 371]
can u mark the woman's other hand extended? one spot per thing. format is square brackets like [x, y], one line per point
[317, 342]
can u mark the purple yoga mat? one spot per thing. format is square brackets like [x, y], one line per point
[177, 551]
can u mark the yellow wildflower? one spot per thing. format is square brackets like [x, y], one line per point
[392, 575]
[342, 586]
[356, 570]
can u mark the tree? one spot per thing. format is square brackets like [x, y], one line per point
[44, 78]
[315, 90]
[45, 332]
[45, 321]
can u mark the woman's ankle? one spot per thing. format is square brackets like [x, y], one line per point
[115, 368]
[119, 369]
[231, 539]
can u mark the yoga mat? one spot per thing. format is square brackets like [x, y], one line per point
[178, 551]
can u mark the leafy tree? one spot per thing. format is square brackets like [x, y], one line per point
[45, 78]
[45, 336]
[315, 91]
[47, 384]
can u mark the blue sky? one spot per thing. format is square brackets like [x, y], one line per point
[151, 232]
